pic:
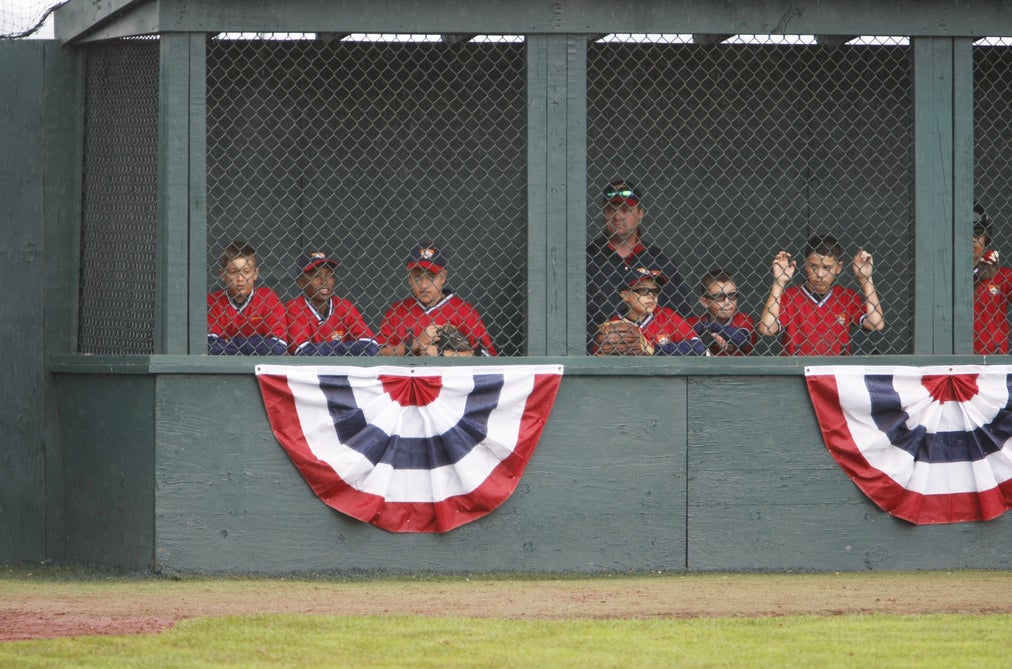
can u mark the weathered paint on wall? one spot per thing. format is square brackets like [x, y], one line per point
[107, 425]
[605, 491]
[22, 447]
[632, 474]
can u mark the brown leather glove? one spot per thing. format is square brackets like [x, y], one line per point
[621, 337]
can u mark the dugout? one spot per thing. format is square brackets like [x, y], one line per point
[150, 133]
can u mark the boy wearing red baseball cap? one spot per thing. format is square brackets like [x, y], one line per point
[416, 325]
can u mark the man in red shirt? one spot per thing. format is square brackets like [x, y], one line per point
[992, 291]
[320, 322]
[815, 318]
[410, 327]
[244, 319]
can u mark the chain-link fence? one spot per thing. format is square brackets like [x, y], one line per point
[364, 150]
[119, 206]
[27, 18]
[742, 150]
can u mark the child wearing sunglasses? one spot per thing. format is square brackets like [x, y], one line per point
[724, 329]
[666, 332]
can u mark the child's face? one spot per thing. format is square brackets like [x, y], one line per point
[426, 285]
[721, 300]
[822, 272]
[240, 276]
[318, 285]
[641, 298]
[979, 244]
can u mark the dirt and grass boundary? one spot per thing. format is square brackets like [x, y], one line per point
[38, 601]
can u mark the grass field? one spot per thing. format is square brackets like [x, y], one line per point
[923, 619]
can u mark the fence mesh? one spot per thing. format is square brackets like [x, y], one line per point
[742, 150]
[361, 150]
[992, 84]
[24, 18]
[120, 200]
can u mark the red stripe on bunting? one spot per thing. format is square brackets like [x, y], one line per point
[440, 516]
[889, 495]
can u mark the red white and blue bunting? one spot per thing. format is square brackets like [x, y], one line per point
[927, 444]
[410, 449]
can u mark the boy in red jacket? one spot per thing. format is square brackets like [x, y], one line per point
[414, 326]
[244, 319]
[320, 322]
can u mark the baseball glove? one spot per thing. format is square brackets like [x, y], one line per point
[621, 337]
[451, 342]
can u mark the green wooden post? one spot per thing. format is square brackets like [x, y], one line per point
[556, 134]
[172, 280]
[963, 194]
[198, 194]
[934, 164]
[575, 169]
[541, 281]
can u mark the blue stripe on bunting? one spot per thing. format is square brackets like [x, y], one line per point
[940, 447]
[412, 452]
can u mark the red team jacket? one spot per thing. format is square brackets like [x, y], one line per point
[261, 314]
[816, 325]
[990, 313]
[739, 321]
[305, 324]
[410, 317]
[666, 325]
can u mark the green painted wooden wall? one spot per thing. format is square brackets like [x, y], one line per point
[167, 461]
[633, 474]
[22, 263]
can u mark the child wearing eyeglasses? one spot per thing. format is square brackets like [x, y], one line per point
[666, 332]
[724, 329]
[815, 318]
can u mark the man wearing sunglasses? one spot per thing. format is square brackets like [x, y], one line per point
[620, 249]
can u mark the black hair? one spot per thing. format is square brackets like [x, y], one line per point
[714, 276]
[824, 245]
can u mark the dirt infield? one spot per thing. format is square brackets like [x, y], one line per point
[40, 603]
